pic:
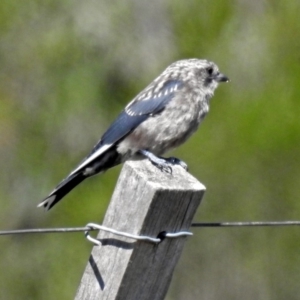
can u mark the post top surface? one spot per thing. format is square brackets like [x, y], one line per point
[178, 180]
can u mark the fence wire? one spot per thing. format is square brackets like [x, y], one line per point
[198, 224]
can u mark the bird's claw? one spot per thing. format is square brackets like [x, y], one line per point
[176, 161]
[163, 165]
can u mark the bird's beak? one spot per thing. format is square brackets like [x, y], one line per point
[221, 78]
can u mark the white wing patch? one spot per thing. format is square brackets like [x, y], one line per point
[91, 158]
[151, 93]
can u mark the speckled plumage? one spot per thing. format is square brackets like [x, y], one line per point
[161, 117]
[181, 116]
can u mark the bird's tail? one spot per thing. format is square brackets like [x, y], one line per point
[62, 189]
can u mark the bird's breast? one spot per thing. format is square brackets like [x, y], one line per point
[167, 129]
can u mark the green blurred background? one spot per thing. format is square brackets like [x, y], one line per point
[67, 69]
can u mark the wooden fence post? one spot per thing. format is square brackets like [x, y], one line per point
[146, 201]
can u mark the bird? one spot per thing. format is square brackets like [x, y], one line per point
[160, 118]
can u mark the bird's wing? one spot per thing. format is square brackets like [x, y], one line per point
[137, 111]
[154, 99]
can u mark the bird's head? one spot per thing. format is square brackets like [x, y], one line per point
[199, 73]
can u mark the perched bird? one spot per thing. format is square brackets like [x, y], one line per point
[161, 117]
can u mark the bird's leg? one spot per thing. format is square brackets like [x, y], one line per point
[164, 163]
[176, 161]
[159, 162]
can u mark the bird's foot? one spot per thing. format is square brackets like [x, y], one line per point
[177, 161]
[164, 164]
[159, 162]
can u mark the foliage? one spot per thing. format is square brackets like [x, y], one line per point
[68, 68]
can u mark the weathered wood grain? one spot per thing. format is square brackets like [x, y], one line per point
[146, 201]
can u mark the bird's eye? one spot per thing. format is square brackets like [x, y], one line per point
[209, 71]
